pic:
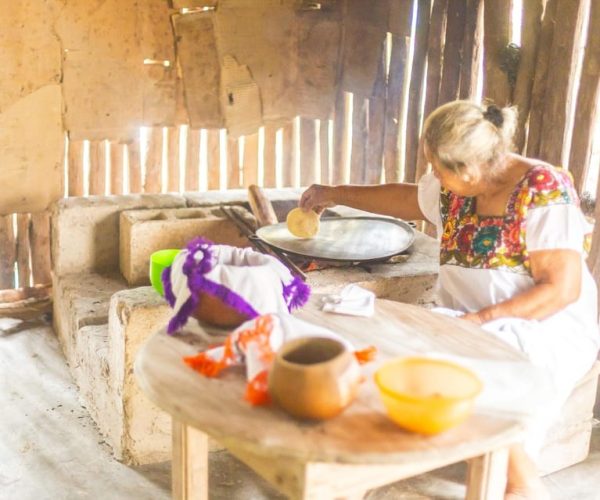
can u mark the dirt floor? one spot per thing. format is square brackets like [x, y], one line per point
[51, 449]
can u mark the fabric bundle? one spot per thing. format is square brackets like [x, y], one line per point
[250, 282]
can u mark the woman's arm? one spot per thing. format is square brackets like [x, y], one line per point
[557, 276]
[397, 200]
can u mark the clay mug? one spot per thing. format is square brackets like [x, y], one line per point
[314, 377]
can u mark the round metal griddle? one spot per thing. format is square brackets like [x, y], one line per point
[352, 239]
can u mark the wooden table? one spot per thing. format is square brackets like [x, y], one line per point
[348, 455]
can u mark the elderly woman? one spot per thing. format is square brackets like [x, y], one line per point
[511, 250]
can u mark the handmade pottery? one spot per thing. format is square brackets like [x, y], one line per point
[213, 310]
[314, 377]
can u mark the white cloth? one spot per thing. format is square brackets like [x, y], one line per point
[565, 345]
[257, 278]
[353, 300]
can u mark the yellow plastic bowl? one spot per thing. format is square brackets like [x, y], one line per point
[425, 395]
[159, 261]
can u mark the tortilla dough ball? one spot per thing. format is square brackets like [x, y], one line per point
[303, 224]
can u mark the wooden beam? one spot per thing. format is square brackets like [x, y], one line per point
[173, 156]
[376, 128]
[538, 92]
[192, 160]
[455, 32]
[233, 163]
[471, 49]
[135, 167]
[496, 18]
[360, 136]
[324, 148]
[213, 154]
[25, 293]
[8, 252]
[340, 138]
[417, 88]
[75, 170]
[153, 180]
[98, 168]
[189, 477]
[269, 156]
[530, 37]
[308, 151]
[586, 116]
[116, 168]
[23, 249]
[392, 160]
[39, 237]
[554, 124]
[250, 160]
[289, 155]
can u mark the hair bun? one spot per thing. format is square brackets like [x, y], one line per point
[494, 115]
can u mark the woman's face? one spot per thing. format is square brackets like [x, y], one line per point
[465, 183]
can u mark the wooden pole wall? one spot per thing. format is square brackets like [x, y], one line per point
[496, 18]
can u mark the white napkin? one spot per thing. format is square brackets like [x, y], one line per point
[353, 300]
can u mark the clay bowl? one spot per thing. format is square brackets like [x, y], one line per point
[314, 378]
[214, 311]
[427, 395]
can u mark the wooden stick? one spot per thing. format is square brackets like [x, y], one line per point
[213, 146]
[153, 180]
[416, 90]
[261, 206]
[189, 477]
[192, 161]
[287, 164]
[538, 92]
[324, 152]
[308, 151]
[376, 128]
[23, 248]
[586, 117]
[40, 248]
[135, 167]
[471, 50]
[250, 165]
[75, 181]
[340, 142]
[393, 103]
[530, 36]
[8, 252]
[233, 163]
[455, 32]
[28, 292]
[98, 168]
[496, 17]
[552, 144]
[360, 134]
[173, 155]
[116, 168]
[270, 145]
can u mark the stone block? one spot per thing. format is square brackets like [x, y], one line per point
[143, 232]
[85, 231]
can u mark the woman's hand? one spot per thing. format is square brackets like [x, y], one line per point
[317, 197]
[473, 318]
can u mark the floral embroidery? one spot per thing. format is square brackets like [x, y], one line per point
[474, 241]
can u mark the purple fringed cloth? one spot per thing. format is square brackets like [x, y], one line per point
[250, 282]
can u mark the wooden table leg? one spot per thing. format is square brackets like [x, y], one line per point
[189, 467]
[486, 476]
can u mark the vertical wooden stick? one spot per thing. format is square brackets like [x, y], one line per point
[153, 180]
[250, 165]
[416, 90]
[455, 31]
[192, 161]
[324, 152]
[173, 156]
[98, 168]
[530, 35]
[75, 170]
[434, 55]
[340, 141]
[213, 146]
[360, 133]
[308, 151]
[287, 164]
[471, 48]
[233, 163]
[586, 117]
[135, 167]
[23, 248]
[40, 248]
[269, 155]
[486, 476]
[116, 168]
[8, 252]
[495, 39]
[189, 474]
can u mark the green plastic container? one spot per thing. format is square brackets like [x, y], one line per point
[159, 261]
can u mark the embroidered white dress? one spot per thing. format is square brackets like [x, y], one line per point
[485, 260]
